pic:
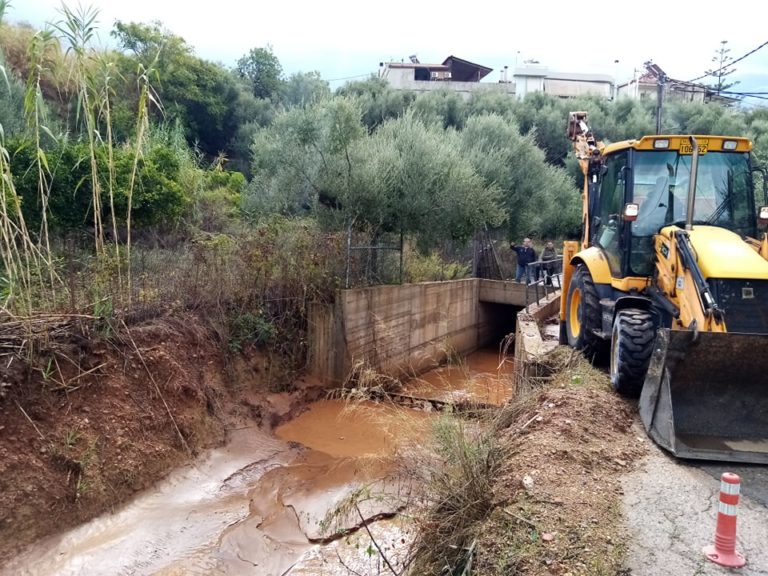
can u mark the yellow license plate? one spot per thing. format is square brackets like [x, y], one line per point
[686, 148]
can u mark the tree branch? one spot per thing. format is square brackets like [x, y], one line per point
[365, 525]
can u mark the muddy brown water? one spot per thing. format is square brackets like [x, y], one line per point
[481, 377]
[273, 504]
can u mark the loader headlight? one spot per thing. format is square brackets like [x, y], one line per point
[661, 143]
[762, 215]
[730, 145]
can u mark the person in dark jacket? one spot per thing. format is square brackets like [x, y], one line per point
[525, 255]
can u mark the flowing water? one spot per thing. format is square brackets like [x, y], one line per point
[275, 504]
[481, 377]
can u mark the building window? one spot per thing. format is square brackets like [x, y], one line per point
[421, 74]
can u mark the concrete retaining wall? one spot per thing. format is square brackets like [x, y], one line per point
[406, 330]
[402, 330]
[502, 292]
[529, 345]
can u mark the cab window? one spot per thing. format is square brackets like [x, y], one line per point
[612, 190]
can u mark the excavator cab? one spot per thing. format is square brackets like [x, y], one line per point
[671, 282]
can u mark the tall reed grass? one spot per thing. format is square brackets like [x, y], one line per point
[32, 270]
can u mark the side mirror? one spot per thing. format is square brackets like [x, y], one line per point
[631, 210]
[762, 215]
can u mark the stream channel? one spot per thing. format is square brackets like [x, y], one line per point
[271, 504]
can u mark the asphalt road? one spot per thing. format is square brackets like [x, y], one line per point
[754, 478]
[670, 507]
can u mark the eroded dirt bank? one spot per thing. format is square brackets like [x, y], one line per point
[269, 502]
[109, 415]
[557, 501]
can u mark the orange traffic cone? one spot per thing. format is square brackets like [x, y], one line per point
[723, 551]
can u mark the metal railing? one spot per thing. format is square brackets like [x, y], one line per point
[542, 278]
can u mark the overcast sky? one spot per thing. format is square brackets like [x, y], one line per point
[343, 39]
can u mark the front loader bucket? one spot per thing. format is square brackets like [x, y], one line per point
[706, 397]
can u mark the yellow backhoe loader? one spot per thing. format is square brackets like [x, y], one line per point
[671, 280]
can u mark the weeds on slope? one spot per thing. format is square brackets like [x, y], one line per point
[460, 483]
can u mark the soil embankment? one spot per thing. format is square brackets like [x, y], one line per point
[278, 499]
[108, 416]
[557, 501]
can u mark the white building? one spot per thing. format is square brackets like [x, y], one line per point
[464, 77]
[454, 74]
[531, 79]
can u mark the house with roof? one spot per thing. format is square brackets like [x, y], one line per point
[646, 85]
[454, 74]
[534, 78]
[464, 77]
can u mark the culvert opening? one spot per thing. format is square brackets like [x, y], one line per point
[495, 322]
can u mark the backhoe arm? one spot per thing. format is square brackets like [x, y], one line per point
[589, 154]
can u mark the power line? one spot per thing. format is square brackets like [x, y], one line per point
[350, 77]
[731, 63]
[747, 95]
[726, 93]
[742, 93]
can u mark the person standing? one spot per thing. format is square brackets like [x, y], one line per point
[525, 255]
[549, 255]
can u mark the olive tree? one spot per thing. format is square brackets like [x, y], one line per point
[537, 196]
[405, 177]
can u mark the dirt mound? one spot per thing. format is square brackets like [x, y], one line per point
[81, 438]
[557, 502]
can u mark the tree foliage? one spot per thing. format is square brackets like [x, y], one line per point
[377, 100]
[722, 69]
[200, 94]
[415, 178]
[703, 118]
[263, 72]
[406, 176]
[538, 197]
[158, 197]
[444, 109]
[305, 89]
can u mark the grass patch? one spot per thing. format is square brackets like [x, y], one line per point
[460, 494]
[563, 431]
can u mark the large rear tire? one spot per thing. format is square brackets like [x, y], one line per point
[582, 314]
[632, 341]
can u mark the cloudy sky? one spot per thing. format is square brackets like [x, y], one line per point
[343, 39]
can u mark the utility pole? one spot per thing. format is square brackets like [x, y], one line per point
[660, 83]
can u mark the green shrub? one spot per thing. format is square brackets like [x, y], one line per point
[248, 328]
[232, 181]
[421, 268]
[158, 197]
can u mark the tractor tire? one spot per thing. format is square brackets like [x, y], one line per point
[632, 338]
[582, 314]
